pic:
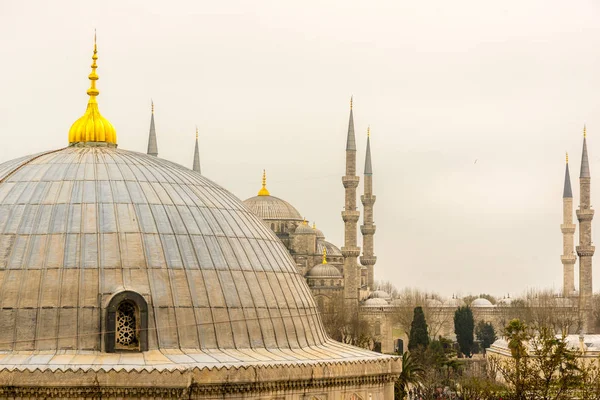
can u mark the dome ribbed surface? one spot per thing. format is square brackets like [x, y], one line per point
[332, 250]
[272, 208]
[324, 271]
[78, 225]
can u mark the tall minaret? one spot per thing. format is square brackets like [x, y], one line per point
[368, 258]
[152, 145]
[568, 229]
[196, 166]
[350, 215]
[585, 250]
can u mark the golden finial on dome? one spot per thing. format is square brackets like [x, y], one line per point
[305, 222]
[263, 191]
[314, 226]
[324, 255]
[92, 126]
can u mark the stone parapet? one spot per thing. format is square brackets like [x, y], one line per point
[350, 251]
[350, 181]
[368, 229]
[350, 216]
[568, 259]
[585, 251]
[585, 214]
[368, 260]
[368, 200]
[567, 228]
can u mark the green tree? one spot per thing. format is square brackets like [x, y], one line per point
[418, 338]
[485, 334]
[412, 374]
[464, 325]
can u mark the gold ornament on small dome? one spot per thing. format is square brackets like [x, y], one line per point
[324, 255]
[263, 191]
[92, 127]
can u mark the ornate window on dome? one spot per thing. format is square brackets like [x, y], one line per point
[127, 335]
[126, 323]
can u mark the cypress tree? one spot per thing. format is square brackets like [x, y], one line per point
[419, 338]
[464, 325]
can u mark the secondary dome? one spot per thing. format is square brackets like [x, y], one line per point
[481, 302]
[380, 294]
[82, 225]
[318, 232]
[332, 250]
[375, 302]
[304, 229]
[270, 207]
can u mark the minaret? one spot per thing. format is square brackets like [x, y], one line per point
[568, 229]
[368, 258]
[350, 215]
[152, 145]
[585, 250]
[196, 166]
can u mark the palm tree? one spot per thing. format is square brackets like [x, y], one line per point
[412, 374]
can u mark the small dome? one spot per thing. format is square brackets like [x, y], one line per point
[272, 208]
[434, 303]
[304, 229]
[318, 232]
[324, 271]
[375, 302]
[454, 302]
[481, 302]
[332, 250]
[505, 301]
[380, 294]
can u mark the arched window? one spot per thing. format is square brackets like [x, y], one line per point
[273, 227]
[126, 323]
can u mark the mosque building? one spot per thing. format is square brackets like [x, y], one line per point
[123, 275]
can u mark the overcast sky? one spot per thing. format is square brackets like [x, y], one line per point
[472, 105]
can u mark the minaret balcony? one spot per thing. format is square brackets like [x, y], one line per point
[350, 251]
[571, 259]
[350, 216]
[585, 214]
[368, 229]
[368, 260]
[368, 200]
[350, 181]
[567, 228]
[585, 251]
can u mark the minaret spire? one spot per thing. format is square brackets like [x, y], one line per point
[263, 190]
[350, 215]
[368, 258]
[585, 250]
[196, 166]
[152, 144]
[568, 230]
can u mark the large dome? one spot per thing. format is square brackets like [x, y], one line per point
[83, 225]
[272, 208]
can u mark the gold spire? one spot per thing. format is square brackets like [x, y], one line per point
[305, 222]
[324, 255]
[567, 157]
[584, 134]
[351, 98]
[196, 133]
[152, 101]
[369, 131]
[314, 226]
[263, 191]
[92, 126]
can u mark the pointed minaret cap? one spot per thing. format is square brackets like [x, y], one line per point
[196, 166]
[585, 164]
[263, 191]
[351, 139]
[567, 193]
[368, 168]
[152, 143]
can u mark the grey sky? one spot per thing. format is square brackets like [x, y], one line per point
[442, 84]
